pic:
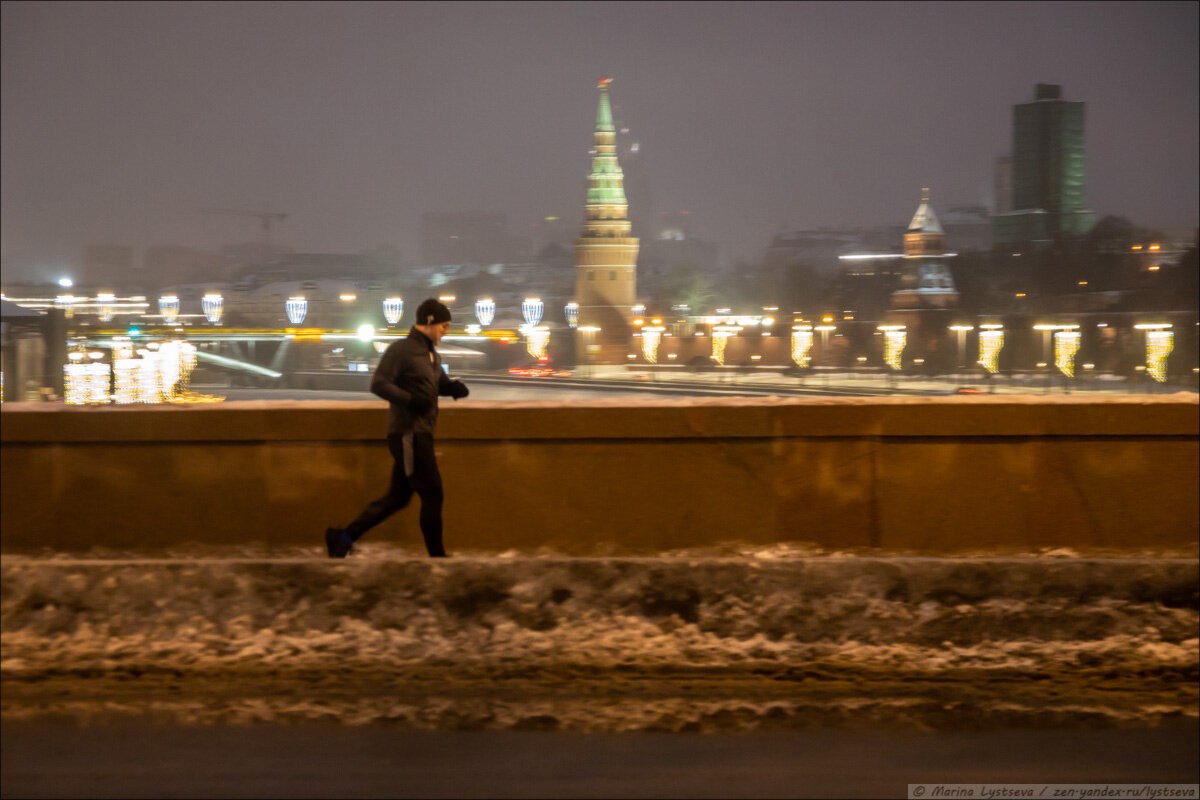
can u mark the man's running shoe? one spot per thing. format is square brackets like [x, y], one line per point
[338, 542]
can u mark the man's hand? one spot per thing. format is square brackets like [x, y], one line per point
[458, 390]
[420, 405]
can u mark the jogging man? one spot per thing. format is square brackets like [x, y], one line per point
[410, 377]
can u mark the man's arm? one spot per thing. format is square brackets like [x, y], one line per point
[451, 388]
[383, 382]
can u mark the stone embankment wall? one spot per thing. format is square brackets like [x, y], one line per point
[931, 475]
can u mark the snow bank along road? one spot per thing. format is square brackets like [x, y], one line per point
[604, 644]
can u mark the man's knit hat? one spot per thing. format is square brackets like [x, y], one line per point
[432, 312]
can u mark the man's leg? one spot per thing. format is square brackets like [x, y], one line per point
[426, 480]
[399, 493]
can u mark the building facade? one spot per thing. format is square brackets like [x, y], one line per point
[1047, 172]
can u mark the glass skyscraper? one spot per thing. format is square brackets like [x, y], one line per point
[1047, 171]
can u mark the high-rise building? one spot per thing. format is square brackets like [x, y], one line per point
[606, 250]
[1047, 171]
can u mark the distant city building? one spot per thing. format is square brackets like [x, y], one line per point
[606, 250]
[470, 237]
[1047, 172]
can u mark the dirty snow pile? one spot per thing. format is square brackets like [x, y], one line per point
[915, 614]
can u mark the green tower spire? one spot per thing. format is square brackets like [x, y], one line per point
[606, 183]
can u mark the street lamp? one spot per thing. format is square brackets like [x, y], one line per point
[589, 332]
[106, 301]
[961, 330]
[824, 331]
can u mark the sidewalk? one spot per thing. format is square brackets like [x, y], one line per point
[850, 381]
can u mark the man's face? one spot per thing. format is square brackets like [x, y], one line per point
[436, 332]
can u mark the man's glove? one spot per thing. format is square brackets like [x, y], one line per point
[420, 405]
[458, 390]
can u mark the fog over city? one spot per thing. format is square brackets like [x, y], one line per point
[122, 120]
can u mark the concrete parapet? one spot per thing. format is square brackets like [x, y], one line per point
[935, 475]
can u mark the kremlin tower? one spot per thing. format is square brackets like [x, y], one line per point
[925, 281]
[606, 251]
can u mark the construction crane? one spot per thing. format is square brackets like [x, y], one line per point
[266, 215]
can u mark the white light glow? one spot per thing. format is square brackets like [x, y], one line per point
[297, 309]
[485, 311]
[991, 342]
[168, 306]
[212, 304]
[393, 307]
[1066, 345]
[1159, 344]
[532, 309]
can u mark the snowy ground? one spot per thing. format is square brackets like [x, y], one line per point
[724, 639]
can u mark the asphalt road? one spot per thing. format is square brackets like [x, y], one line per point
[48, 759]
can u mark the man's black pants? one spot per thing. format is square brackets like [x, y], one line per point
[415, 470]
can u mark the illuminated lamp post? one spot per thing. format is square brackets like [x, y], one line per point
[485, 311]
[106, 301]
[651, 337]
[1160, 341]
[67, 303]
[1046, 331]
[393, 307]
[961, 330]
[894, 338]
[991, 342]
[571, 312]
[589, 348]
[802, 340]
[720, 339]
[168, 306]
[1066, 345]
[537, 340]
[212, 303]
[297, 309]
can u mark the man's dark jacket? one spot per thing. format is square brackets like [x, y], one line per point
[410, 374]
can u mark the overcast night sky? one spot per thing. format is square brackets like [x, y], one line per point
[120, 120]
